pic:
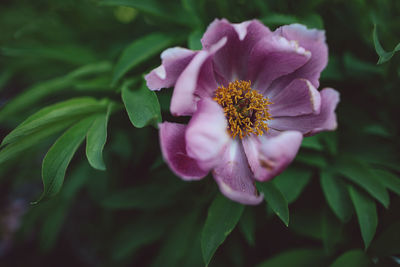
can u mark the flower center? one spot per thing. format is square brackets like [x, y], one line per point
[245, 109]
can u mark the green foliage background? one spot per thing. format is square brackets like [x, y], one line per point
[74, 105]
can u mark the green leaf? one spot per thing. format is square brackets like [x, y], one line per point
[355, 67]
[275, 200]
[388, 242]
[139, 51]
[312, 142]
[142, 231]
[74, 108]
[312, 158]
[366, 213]
[142, 106]
[52, 225]
[388, 179]
[360, 173]
[37, 92]
[296, 257]
[179, 242]
[383, 55]
[65, 53]
[354, 258]
[331, 230]
[247, 225]
[170, 11]
[194, 40]
[57, 159]
[16, 148]
[336, 195]
[223, 215]
[292, 182]
[96, 139]
[143, 197]
[276, 19]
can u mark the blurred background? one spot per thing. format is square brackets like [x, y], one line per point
[342, 189]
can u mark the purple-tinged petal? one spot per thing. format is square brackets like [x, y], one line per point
[312, 40]
[174, 61]
[313, 123]
[183, 100]
[272, 58]
[299, 98]
[173, 147]
[206, 134]
[268, 155]
[231, 61]
[234, 178]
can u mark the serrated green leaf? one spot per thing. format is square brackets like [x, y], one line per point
[292, 182]
[96, 139]
[360, 173]
[275, 199]
[74, 108]
[142, 106]
[139, 51]
[354, 258]
[388, 179]
[366, 213]
[336, 195]
[247, 225]
[223, 215]
[57, 159]
[296, 257]
[383, 55]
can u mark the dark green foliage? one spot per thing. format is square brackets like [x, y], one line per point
[75, 137]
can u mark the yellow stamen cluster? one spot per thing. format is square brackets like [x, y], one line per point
[245, 109]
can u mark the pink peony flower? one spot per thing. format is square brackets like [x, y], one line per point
[251, 94]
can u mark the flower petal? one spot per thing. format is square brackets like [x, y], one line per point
[206, 135]
[268, 155]
[230, 61]
[173, 147]
[312, 40]
[234, 178]
[272, 58]
[313, 123]
[299, 98]
[174, 61]
[183, 100]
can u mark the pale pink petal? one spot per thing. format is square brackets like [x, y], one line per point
[231, 61]
[183, 100]
[234, 177]
[174, 61]
[313, 123]
[272, 58]
[173, 147]
[268, 155]
[299, 98]
[312, 40]
[206, 134]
